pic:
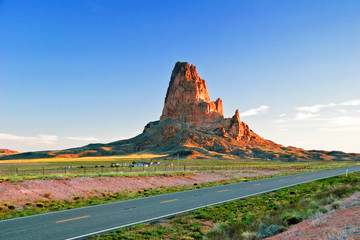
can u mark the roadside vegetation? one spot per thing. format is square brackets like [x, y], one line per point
[250, 218]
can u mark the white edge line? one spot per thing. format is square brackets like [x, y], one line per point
[192, 209]
[219, 186]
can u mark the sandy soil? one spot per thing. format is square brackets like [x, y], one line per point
[340, 224]
[32, 190]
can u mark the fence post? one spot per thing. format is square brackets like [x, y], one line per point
[184, 168]
[17, 171]
[84, 169]
[65, 170]
[43, 170]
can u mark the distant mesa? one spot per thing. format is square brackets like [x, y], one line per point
[193, 126]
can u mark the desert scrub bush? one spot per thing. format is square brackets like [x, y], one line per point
[77, 198]
[292, 217]
[47, 195]
[11, 207]
[269, 230]
[40, 204]
[336, 205]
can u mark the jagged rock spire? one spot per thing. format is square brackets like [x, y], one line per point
[188, 100]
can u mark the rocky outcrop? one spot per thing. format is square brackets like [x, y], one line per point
[188, 101]
[187, 98]
[234, 128]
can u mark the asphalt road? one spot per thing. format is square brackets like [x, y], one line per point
[83, 222]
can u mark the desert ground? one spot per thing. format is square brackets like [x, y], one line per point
[336, 224]
[20, 193]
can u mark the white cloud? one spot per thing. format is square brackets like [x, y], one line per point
[333, 119]
[255, 111]
[354, 102]
[313, 112]
[343, 111]
[338, 129]
[305, 115]
[283, 120]
[315, 108]
[345, 121]
[82, 138]
[39, 139]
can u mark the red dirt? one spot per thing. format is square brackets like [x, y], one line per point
[341, 224]
[33, 190]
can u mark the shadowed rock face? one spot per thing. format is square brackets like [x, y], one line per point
[193, 126]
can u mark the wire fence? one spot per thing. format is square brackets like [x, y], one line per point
[114, 168]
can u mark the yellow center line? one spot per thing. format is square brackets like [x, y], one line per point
[172, 200]
[71, 219]
[257, 184]
[281, 180]
[223, 190]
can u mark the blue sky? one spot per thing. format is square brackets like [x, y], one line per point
[77, 72]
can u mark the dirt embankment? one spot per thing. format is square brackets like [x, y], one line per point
[341, 224]
[33, 190]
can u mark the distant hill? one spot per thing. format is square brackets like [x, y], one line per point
[192, 126]
[6, 152]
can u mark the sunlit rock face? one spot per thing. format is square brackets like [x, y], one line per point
[234, 128]
[187, 98]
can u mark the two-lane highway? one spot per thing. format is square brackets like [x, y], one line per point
[83, 222]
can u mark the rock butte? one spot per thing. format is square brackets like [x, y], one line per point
[187, 100]
[192, 126]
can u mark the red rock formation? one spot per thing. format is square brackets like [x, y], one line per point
[188, 101]
[187, 98]
[192, 126]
